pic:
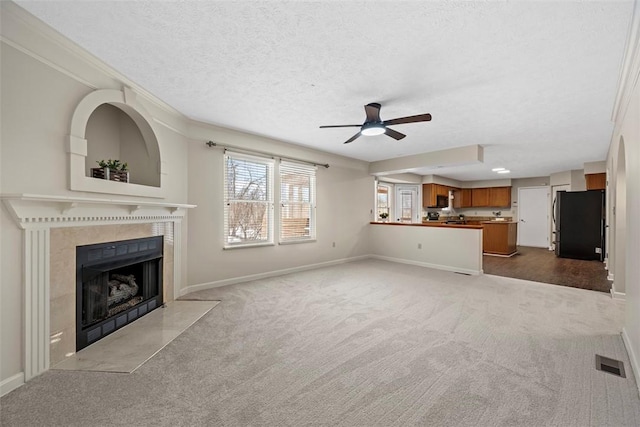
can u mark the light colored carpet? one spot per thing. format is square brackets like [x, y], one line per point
[363, 344]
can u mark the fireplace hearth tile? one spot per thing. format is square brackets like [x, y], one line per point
[128, 348]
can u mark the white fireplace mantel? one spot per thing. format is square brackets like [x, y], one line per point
[30, 210]
[36, 215]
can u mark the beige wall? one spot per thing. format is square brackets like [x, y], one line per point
[42, 82]
[345, 197]
[627, 200]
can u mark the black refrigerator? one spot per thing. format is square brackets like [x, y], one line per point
[579, 224]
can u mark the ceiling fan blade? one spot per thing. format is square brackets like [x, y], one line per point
[410, 119]
[373, 112]
[340, 126]
[353, 138]
[394, 134]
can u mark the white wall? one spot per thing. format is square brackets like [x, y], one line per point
[345, 197]
[627, 127]
[445, 248]
[43, 78]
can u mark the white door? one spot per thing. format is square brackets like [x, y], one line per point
[554, 194]
[533, 216]
[407, 207]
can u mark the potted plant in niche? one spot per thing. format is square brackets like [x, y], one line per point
[112, 170]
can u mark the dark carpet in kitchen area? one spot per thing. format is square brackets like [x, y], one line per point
[542, 265]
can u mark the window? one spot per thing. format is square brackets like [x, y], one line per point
[248, 200]
[297, 202]
[383, 201]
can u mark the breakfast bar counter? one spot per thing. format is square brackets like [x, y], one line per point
[451, 247]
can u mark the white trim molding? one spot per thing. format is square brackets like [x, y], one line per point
[33, 210]
[36, 215]
[11, 383]
[125, 100]
[633, 358]
[630, 69]
[617, 295]
[275, 273]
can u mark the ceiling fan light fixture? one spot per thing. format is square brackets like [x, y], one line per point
[373, 129]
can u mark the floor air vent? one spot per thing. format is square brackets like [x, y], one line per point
[612, 366]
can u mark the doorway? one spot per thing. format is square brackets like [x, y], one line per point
[407, 206]
[533, 217]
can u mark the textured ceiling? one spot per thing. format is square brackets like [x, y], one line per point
[532, 82]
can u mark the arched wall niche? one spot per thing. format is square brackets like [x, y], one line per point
[111, 124]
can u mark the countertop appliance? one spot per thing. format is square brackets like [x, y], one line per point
[579, 224]
[433, 216]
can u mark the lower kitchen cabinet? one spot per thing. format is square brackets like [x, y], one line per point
[499, 237]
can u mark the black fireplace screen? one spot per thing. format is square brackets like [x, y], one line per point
[117, 283]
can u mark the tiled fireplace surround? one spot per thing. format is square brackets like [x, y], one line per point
[62, 297]
[52, 227]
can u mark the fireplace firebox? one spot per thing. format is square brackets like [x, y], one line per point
[117, 282]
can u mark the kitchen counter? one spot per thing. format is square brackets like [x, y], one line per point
[430, 224]
[499, 238]
[451, 247]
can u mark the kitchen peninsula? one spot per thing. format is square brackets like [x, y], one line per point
[451, 247]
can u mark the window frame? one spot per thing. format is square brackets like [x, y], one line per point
[269, 163]
[307, 171]
[390, 200]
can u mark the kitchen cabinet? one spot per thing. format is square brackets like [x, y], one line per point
[442, 190]
[462, 198]
[479, 197]
[499, 237]
[596, 181]
[431, 193]
[428, 195]
[500, 197]
[494, 197]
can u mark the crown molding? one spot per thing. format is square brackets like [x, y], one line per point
[630, 67]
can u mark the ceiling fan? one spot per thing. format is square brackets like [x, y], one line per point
[374, 126]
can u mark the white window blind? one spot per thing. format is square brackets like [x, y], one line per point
[297, 202]
[248, 200]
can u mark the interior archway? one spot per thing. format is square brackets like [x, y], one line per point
[118, 127]
[620, 212]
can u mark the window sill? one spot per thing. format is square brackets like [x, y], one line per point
[294, 242]
[248, 245]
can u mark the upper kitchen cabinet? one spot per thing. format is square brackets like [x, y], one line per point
[428, 195]
[494, 197]
[462, 198]
[435, 195]
[596, 181]
[479, 197]
[500, 197]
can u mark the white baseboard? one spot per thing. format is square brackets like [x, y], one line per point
[11, 383]
[618, 295]
[429, 265]
[242, 279]
[633, 357]
[610, 277]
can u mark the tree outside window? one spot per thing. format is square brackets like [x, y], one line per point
[248, 200]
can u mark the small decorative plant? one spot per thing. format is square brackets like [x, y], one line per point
[114, 165]
[384, 215]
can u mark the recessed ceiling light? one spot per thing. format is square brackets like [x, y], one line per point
[504, 171]
[497, 169]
